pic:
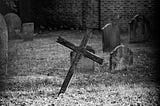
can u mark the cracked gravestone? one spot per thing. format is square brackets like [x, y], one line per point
[28, 31]
[3, 45]
[13, 22]
[110, 36]
[121, 58]
[85, 64]
[139, 29]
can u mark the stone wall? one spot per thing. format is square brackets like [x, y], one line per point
[100, 12]
[90, 13]
[126, 9]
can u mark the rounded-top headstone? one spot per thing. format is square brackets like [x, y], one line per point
[3, 43]
[139, 29]
[13, 22]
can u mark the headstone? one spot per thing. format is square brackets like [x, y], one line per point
[121, 58]
[139, 29]
[28, 31]
[13, 22]
[3, 45]
[85, 64]
[110, 36]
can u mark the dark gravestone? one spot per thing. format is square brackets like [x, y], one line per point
[3, 45]
[27, 31]
[139, 29]
[121, 58]
[13, 22]
[110, 36]
[85, 64]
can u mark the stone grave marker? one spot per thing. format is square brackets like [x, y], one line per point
[110, 36]
[85, 64]
[120, 58]
[3, 45]
[28, 31]
[139, 29]
[13, 22]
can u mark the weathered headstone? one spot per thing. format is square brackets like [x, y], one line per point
[13, 22]
[121, 58]
[85, 64]
[28, 31]
[3, 45]
[110, 36]
[139, 29]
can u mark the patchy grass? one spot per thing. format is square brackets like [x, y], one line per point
[37, 70]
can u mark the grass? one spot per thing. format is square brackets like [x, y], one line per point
[37, 70]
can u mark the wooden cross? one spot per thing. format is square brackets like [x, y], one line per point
[80, 50]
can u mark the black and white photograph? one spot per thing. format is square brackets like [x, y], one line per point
[79, 53]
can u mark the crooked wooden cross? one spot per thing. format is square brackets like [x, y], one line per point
[80, 50]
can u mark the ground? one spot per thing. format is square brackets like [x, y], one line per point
[37, 70]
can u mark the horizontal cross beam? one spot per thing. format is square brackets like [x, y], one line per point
[82, 51]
